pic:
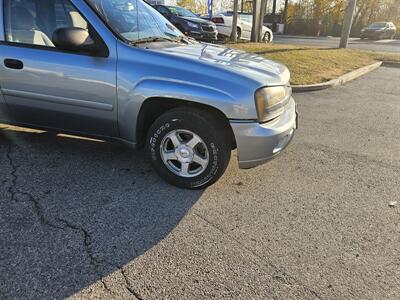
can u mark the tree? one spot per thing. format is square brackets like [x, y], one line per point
[263, 7]
[348, 20]
[234, 21]
[255, 30]
[196, 6]
[326, 16]
[247, 6]
[285, 16]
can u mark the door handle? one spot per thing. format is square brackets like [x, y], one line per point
[13, 64]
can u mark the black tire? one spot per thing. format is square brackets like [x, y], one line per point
[238, 33]
[267, 37]
[223, 38]
[208, 127]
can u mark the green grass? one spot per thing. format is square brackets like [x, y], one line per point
[310, 65]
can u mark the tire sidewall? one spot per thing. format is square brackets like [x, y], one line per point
[214, 146]
[266, 37]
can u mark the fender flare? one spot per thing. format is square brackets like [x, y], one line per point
[161, 88]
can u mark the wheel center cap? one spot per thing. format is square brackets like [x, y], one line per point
[184, 154]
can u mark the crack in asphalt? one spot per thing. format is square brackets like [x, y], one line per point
[128, 285]
[13, 191]
[280, 274]
[97, 263]
[13, 172]
[87, 242]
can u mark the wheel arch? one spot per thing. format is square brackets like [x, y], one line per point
[269, 32]
[232, 103]
[239, 28]
[154, 107]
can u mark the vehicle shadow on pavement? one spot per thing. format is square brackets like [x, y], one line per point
[73, 211]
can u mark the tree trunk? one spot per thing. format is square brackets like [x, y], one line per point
[256, 21]
[347, 22]
[285, 16]
[263, 7]
[234, 21]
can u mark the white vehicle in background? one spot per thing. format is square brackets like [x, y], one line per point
[223, 21]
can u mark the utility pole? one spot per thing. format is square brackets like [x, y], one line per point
[347, 22]
[210, 8]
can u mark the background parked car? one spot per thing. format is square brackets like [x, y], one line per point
[189, 23]
[379, 30]
[223, 20]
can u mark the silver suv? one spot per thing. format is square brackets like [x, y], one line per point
[379, 30]
[117, 69]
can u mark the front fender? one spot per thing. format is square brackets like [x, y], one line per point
[131, 101]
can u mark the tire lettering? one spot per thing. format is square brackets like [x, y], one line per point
[154, 138]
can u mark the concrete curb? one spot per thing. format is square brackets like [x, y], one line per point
[305, 37]
[391, 64]
[338, 81]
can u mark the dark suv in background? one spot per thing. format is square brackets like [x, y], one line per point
[379, 31]
[189, 23]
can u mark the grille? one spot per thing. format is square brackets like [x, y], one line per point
[208, 28]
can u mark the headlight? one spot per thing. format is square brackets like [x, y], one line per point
[270, 101]
[193, 25]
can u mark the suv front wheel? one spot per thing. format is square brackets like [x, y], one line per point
[189, 147]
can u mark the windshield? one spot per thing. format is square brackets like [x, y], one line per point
[377, 25]
[181, 12]
[135, 21]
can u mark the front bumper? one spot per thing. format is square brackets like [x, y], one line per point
[206, 36]
[371, 34]
[258, 143]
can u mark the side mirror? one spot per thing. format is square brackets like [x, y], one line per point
[73, 39]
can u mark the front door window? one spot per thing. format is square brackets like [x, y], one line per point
[34, 22]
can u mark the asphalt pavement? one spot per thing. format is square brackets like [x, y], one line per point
[333, 42]
[90, 220]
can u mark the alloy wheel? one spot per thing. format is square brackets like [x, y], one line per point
[184, 153]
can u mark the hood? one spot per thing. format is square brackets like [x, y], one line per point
[249, 65]
[197, 20]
